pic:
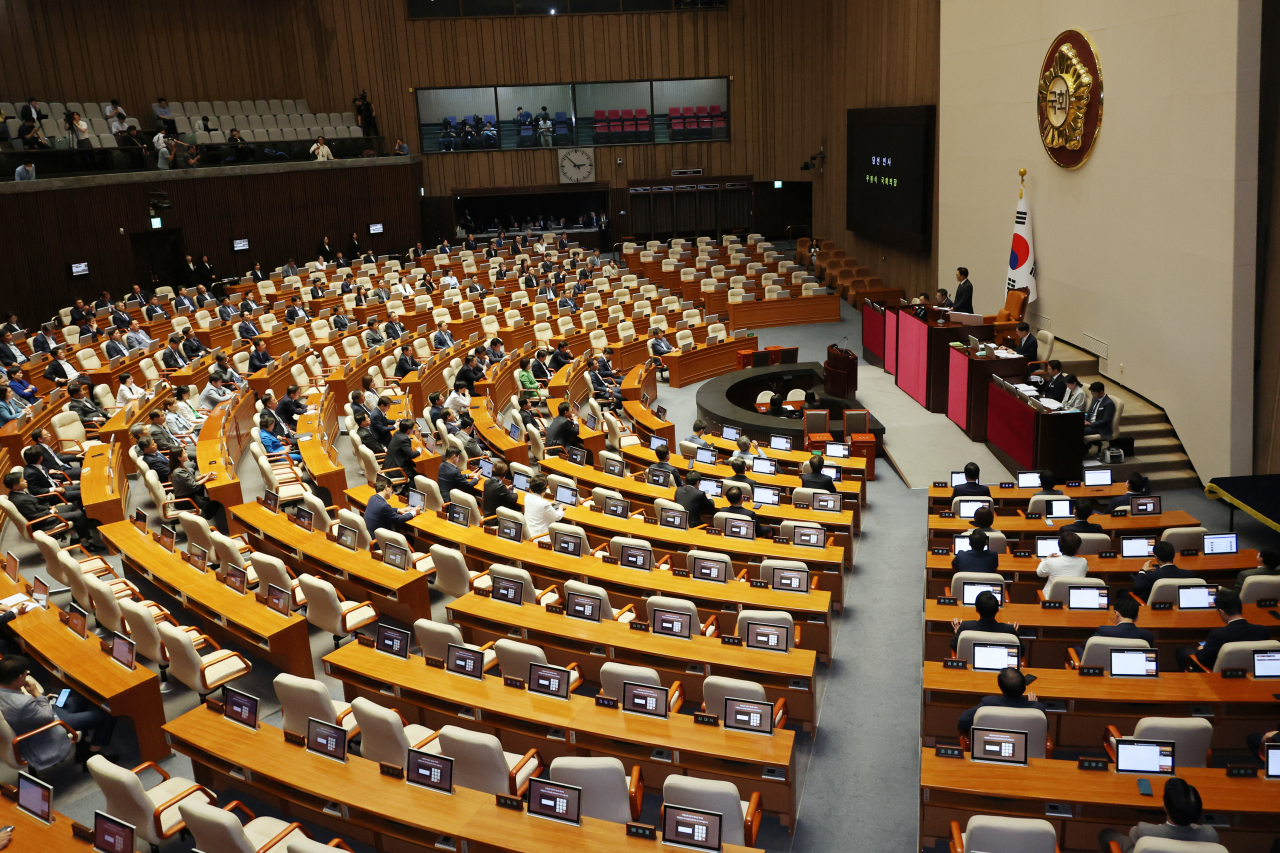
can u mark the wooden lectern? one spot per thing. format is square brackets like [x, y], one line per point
[840, 373]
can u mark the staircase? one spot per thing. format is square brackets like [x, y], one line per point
[1158, 453]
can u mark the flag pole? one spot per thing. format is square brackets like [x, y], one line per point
[1022, 173]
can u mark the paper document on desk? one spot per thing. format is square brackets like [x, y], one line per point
[1006, 354]
[1050, 404]
[1029, 390]
[14, 600]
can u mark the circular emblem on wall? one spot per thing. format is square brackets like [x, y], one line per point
[1069, 99]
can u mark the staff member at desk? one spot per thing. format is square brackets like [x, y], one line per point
[60, 371]
[1237, 630]
[1075, 399]
[540, 511]
[734, 496]
[970, 487]
[1026, 345]
[1159, 567]
[739, 466]
[1055, 387]
[1183, 812]
[26, 708]
[978, 558]
[694, 500]
[381, 514]
[1099, 417]
[496, 493]
[1013, 694]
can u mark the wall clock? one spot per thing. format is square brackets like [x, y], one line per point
[577, 165]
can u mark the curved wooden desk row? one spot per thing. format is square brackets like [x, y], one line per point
[402, 595]
[385, 813]
[104, 484]
[639, 381]
[940, 496]
[1020, 527]
[788, 675]
[222, 440]
[955, 789]
[764, 313]
[1082, 707]
[225, 614]
[80, 664]
[626, 586]
[36, 836]
[705, 361]
[1046, 634]
[1118, 572]
[791, 460]
[576, 726]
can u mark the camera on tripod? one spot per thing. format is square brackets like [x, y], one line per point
[66, 119]
[361, 98]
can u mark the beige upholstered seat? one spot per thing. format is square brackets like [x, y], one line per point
[741, 818]
[128, 801]
[607, 792]
[328, 612]
[218, 829]
[384, 735]
[202, 674]
[480, 763]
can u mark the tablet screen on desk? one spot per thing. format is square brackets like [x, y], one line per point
[77, 620]
[660, 412]
[459, 514]
[122, 650]
[635, 558]
[11, 563]
[970, 590]
[1060, 508]
[555, 801]
[549, 680]
[1028, 479]
[279, 600]
[692, 828]
[1097, 476]
[780, 442]
[347, 537]
[417, 500]
[393, 641]
[672, 623]
[508, 590]
[395, 556]
[969, 508]
[590, 422]
[834, 450]
[957, 478]
[677, 519]
[578, 455]
[1197, 597]
[513, 430]
[240, 707]
[1136, 546]
[1046, 546]
[711, 487]
[1088, 598]
[35, 797]
[791, 580]
[656, 441]
[710, 570]
[464, 661]
[767, 495]
[581, 606]
[747, 715]
[826, 502]
[730, 433]
[326, 739]
[1273, 760]
[612, 467]
[993, 657]
[773, 638]
[705, 455]
[1220, 543]
[111, 835]
[1266, 664]
[167, 535]
[1144, 756]
[566, 543]
[617, 507]
[658, 477]
[270, 500]
[197, 557]
[644, 699]
[809, 537]
[566, 495]
[512, 531]
[429, 771]
[520, 481]
[1144, 506]
[763, 465]
[998, 746]
[739, 528]
[1134, 663]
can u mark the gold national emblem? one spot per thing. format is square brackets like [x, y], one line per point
[1069, 99]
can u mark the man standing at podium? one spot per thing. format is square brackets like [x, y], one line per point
[963, 302]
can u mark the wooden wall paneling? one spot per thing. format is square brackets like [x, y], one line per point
[1266, 409]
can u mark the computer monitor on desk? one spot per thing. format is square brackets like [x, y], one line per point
[957, 478]
[968, 508]
[1095, 477]
[993, 657]
[970, 590]
[1197, 597]
[691, 828]
[1136, 546]
[1046, 546]
[998, 746]
[1087, 598]
[1028, 479]
[35, 797]
[1144, 505]
[429, 771]
[1266, 664]
[1272, 755]
[1144, 756]
[1060, 508]
[1221, 543]
[1134, 663]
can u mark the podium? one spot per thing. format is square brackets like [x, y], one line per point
[840, 373]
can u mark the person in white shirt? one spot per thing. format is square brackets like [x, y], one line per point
[80, 128]
[1075, 399]
[459, 400]
[118, 126]
[540, 512]
[320, 150]
[128, 391]
[1065, 563]
[448, 280]
[113, 110]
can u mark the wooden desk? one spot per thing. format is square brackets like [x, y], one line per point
[104, 486]
[223, 440]
[704, 361]
[385, 813]
[789, 460]
[225, 613]
[1118, 572]
[403, 595]
[492, 433]
[923, 349]
[955, 789]
[1020, 527]
[940, 496]
[764, 313]
[35, 836]
[969, 376]
[592, 644]
[1081, 707]
[85, 668]
[524, 720]
[638, 381]
[320, 452]
[1024, 438]
[647, 424]
[1055, 630]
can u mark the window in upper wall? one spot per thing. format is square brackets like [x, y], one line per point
[457, 119]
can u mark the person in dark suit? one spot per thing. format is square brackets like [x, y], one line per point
[1237, 630]
[1055, 387]
[226, 311]
[987, 606]
[963, 301]
[1124, 623]
[663, 454]
[1049, 485]
[1138, 486]
[366, 436]
[290, 407]
[354, 248]
[1100, 417]
[1268, 566]
[204, 272]
[400, 452]
[695, 501]
[32, 508]
[739, 466]
[182, 300]
[560, 357]
[609, 395]
[734, 495]
[60, 371]
[1082, 524]
[85, 407]
[79, 312]
[1013, 694]
[393, 328]
[406, 364]
[563, 430]
[1026, 345]
[326, 251]
[30, 112]
[541, 372]
[172, 356]
[442, 339]
[187, 273]
[120, 318]
[469, 374]
[155, 460]
[154, 310]
[246, 328]
[340, 321]
[295, 312]
[970, 488]
[1159, 567]
[52, 459]
[379, 513]
[257, 274]
[192, 347]
[496, 493]
[979, 558]
[451, 477]
[40, 481]
[816, 479]
[378, 421]
[9, 352]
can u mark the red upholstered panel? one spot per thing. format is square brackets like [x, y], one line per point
[958, 388]
[913, 356]
[1011, 426]
[872, 330]
[891, 342]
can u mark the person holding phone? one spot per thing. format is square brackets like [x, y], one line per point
[26, 707]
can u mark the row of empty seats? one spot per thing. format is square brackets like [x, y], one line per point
[696, 122]
[260, 107]
[622, 125]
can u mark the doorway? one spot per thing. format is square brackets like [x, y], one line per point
[156, 256]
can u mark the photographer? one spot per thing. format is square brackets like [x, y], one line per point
[366, 117]
[79, 129]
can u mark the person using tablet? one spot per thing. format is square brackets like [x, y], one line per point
[663, 454]
[1065, 563]
[1237, 630]
[540, 510]
[694, 500]
[496, 493]
[734, 495]
[1124, 622]
[1137, 486]
[983, 519]
[1183, 814]
[380, 513]
[970, 487]
[815, 479]
[987, 606]
[1013, 694]
[740, 478]
[978, 558]
[1268, 566]
[1159, 566]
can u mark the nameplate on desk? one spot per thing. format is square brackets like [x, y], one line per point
[949, 751]
[214, 705]
[9, 792]
[637, 625]
[556, 609]
[1189, 552]
[606, 702]
[939, 484]
[1093, 764]
[955, 663]
[1241, 771]
[1162, 605]
[609, 561]
[1051, 605]
[1108, 555]
[648, 520]
[712, 531]
[294, 738]
[948, 601]
[483, 593]
[546, 546]
[1019, 553]
[642, 830]
[395, 771]
[507, 802]
[1234, 672]
[1008, 486]
[1073, 484]
[438, 663]
[1266, 602]
[365, 641]
[513, 681]
[705, 719]
[759, 584]
[1092, 670]
[79, 830]
[781, 540]
[680, 573]
[946, 513]
[1034, 515]
[1119, 513]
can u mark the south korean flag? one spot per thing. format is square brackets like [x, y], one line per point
[1022, 256]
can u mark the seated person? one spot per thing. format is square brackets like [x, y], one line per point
[739, 466]
[379, 514]
[1158, 567]
[970, 487]
[1183, 812]
[26, 708]
[816, 479]
[1013, 694]
[983, 519]
[699, 431]
[271, 442]
[1237, 630]
[1138, 486]
[540, 511]
[1064, 563]
[694, 500]
[1048, 484]
[1124, 622]
[1082, 524]
[734, 495]
[978, 558]
[745, 449]
[1099, 416]
[662, 464]
[987, 606]
[1268, 566]
[496, 493]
